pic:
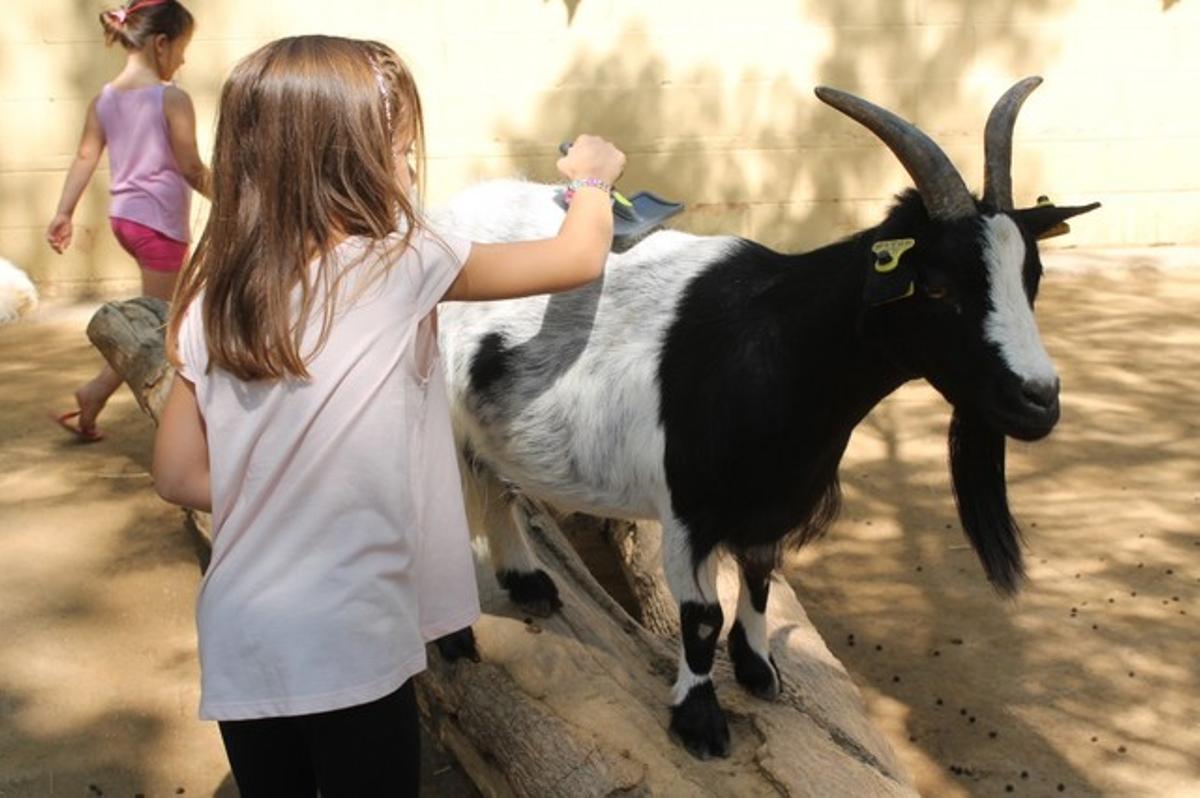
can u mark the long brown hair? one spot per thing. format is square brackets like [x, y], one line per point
[135, 23]
[310, 133]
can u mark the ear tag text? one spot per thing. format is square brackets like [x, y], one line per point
[890, 279]
[889, 252]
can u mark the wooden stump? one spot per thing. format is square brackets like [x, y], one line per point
[131, 336]
[577, 704]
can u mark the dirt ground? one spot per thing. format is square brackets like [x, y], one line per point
[99, 681]
[1089, 680]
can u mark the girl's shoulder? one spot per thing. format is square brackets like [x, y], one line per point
[427, 247]
[117, 97]
[106, 93]
[175, 98]
[125, 85]
[431, 235]
[412, 255]
[105, 100]
[425, 242]
[173, 90]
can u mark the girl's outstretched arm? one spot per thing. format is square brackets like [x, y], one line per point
[574, 257]
[181, 472]
[181, 127]
[91, 146]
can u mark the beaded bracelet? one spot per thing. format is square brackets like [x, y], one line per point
[586, 182]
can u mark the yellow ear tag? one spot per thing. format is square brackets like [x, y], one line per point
[888, 253]
[1060, 229]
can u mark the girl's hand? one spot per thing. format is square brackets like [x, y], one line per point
[592, 156]
[59, 233]
[575, 257]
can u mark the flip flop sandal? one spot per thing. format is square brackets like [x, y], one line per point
[84, 436]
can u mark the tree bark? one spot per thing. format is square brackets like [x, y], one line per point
[131, 337]
[577, 704]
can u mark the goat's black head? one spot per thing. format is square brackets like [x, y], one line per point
[951, 282]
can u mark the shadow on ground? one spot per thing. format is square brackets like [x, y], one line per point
[99, 681]
[1088, 679]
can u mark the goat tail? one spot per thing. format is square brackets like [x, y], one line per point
[977, 470]
[486, 500]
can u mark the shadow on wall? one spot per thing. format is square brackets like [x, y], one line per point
[91, 66]
[573, 5]
[754, 153]
[85, 65]
[72, 57]
[77, 64]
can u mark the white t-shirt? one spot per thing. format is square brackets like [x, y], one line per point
[340, 543]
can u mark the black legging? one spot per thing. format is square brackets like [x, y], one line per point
[368, 750]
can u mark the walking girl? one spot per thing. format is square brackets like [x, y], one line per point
[149, 128]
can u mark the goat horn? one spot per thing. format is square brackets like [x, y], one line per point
[941, 186]
[997, 144]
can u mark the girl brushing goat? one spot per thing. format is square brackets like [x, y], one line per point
[310, 413]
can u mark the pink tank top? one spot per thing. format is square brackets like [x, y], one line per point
[146, 184]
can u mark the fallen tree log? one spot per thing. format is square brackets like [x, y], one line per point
[576, 704]
[131, 336]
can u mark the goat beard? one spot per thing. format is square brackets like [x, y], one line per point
[980, 490]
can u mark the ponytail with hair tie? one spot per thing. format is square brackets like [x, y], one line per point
[122, 14]
[120, 24]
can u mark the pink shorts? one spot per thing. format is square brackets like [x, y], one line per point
[150, 248]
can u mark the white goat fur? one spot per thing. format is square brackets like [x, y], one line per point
[18, 296]
[590, 439]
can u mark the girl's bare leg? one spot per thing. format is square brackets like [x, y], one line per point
[92, 396]
[159, 284]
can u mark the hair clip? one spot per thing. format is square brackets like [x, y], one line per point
[122, 14]
[381, 82]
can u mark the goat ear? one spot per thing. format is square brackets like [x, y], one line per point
[1046, 220]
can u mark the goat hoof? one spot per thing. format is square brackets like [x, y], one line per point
[534, 591]
[458, 645]
[699, 723]
[758, 676]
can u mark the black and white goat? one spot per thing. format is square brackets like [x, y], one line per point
[713, 384]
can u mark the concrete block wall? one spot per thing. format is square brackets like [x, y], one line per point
[713, 102]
